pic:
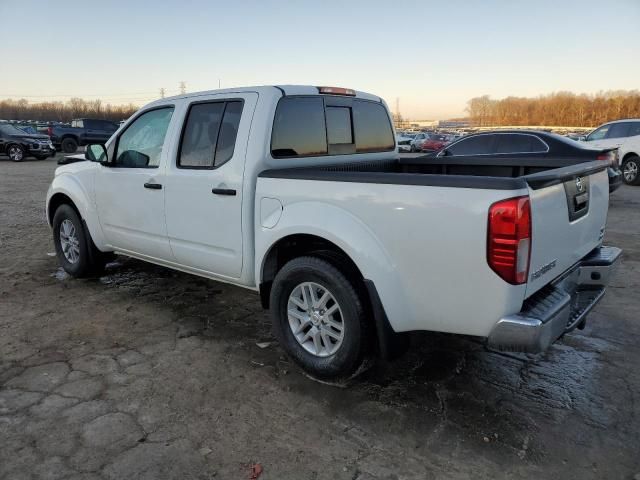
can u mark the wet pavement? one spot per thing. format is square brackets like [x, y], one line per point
[149, 373]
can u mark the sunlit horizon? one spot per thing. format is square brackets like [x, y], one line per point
[430, 57]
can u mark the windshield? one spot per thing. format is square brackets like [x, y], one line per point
[11, 130]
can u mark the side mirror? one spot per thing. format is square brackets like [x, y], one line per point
[96, 152]
[443, 153]
[583, 138]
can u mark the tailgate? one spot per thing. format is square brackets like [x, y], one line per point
[568, 215]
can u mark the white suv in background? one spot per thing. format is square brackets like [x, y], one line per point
[625, 135]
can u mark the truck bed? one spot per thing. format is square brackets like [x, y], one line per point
[471, 172]
[427, 218]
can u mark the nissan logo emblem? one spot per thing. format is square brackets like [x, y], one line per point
[579, 185]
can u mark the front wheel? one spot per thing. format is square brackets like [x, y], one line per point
[74, 248]
[16, 153]
[319, 318]
[631, 170]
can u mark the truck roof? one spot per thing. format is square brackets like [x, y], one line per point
[267, 89]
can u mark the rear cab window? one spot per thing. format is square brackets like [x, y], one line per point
[327, 125]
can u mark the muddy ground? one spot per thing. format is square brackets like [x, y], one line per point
[153, 374]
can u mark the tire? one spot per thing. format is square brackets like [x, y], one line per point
[83, 259]
[319, 347]
[16, 152]
[413, 149]
[69, 145]
[631, 170]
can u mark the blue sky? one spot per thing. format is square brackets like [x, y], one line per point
[433, 56]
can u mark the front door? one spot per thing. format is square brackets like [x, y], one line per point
[204, 183]
[130, 192]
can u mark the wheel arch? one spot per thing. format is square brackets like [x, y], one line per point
[67, 190]
[354, 247]
[629, 155]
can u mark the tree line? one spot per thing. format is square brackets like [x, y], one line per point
[58, 111]
[555, 109]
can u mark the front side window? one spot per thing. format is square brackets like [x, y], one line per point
[480, 145]
[140, 145]
[619, 130]
[598, 134]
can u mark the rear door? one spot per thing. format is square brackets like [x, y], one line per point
[204, 184]
[568, 217]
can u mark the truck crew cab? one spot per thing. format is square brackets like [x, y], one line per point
[298, 193]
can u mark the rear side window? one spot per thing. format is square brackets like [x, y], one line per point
[480, 145]
[634, 129]
[304, 126]
[507, 143]
[209, 135]
[299, 128]
[372, 127]
[619, 130]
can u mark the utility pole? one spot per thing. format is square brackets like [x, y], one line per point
[162, 93]
[183, 87]
[218, 83]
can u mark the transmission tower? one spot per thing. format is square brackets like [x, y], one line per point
[183, 88]
[162, 92]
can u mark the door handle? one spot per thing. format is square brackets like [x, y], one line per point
[153, 186]
[224, 191]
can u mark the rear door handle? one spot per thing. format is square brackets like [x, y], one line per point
[224, 191]
[153, 186]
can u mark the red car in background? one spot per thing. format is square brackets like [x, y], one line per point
[435, 142]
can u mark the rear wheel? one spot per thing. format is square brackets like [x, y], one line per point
[69, 145]
[16, 153]
[75, 250]
[631, 170]
[319, 318]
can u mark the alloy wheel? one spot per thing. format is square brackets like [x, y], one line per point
[315, 319]
[69, 241]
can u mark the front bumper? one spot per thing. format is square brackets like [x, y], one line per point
[557, 308]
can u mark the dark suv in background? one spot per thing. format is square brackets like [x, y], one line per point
[82, 131]
[18, 144]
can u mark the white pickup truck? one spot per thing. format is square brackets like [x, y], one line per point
[297, 192]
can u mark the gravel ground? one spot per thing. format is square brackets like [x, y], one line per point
[153, 374]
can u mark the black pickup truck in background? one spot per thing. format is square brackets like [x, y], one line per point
[82, 131]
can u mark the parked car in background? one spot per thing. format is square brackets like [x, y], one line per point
[625, 136]
[82, 131]
[435, 142]
[403, 140]
[18, 144]
[546, 147]
[297, 193]
[418, 141]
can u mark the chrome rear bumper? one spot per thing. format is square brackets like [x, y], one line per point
[557, 308]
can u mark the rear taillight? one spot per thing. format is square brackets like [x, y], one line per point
[509, 239]
[50, 131]
[611, 156]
